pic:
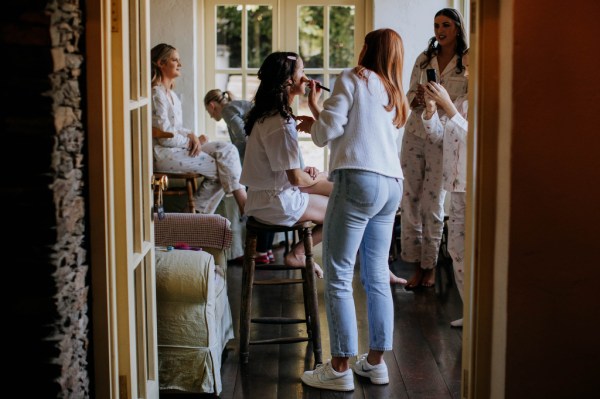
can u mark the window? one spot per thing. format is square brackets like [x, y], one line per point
[239, 36]
[327, 43]
[244, 37]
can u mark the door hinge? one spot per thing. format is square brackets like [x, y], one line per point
[115, 16]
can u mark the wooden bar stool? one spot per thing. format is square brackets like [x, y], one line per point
[309, 290]
[191, 186]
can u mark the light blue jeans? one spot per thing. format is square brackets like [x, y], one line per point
[360, 218]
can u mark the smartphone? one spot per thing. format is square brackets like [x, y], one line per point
[431, 75]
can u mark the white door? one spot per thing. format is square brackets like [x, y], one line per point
[124, 311]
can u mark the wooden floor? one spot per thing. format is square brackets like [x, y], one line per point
[425, 361]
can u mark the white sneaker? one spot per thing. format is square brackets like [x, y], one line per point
[457, 323]
[325, 377]
[378, 373]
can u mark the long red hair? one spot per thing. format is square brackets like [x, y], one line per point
[383, 53]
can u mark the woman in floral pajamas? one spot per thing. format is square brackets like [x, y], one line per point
[422, 207]
[179, 149]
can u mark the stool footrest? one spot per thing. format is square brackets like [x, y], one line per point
[277, 320]
[282, 340]
[176, 191]
[279, 281]
[279, 267]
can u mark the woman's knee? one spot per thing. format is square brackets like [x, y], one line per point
[317, 207]
[313, 214]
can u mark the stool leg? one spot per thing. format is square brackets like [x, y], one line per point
[305, 292]
[313, 302]
[306, 295]
[190, 190]
[295, 239]
[246, 304]
[286, 250]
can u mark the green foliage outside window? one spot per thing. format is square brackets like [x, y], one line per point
[341, 36]
[260, 37]
[311, 34]
[341, 39]
[260, 33]
[229, 33]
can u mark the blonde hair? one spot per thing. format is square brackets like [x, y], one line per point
[218, 96]
[383, 53]
[159, 55]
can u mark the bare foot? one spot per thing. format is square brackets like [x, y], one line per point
[428, 279]
[318, 270]
[292, 260]
[416, 278]
[396, 280]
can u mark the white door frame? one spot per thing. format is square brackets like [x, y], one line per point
[120, 165]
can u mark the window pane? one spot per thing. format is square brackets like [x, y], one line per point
[229, 36]
[260, 34]
[252, 83]
[230, 82]
[233, 83]
[341, 42]
[310, 27]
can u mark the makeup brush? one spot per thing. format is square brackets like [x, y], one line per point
[319, 85]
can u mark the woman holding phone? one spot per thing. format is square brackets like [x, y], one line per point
[422, 216]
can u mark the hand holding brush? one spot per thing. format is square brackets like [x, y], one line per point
[319, 85]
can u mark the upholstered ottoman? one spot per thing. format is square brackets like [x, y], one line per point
[193, 315]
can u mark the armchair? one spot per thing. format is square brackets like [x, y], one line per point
[193, 314]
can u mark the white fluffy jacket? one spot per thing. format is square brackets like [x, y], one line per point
[359, 131]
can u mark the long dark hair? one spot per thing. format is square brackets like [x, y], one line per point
[461, 39]
[383, 54]
[275, 75]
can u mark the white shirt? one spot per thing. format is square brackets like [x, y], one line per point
[453, 133]
[167, 115]
[272, 148]
[456, 84]
[359, 131]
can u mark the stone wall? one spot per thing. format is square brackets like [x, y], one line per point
[43, 210]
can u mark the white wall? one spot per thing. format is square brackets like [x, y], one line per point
[174, 22]
[413, 20]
